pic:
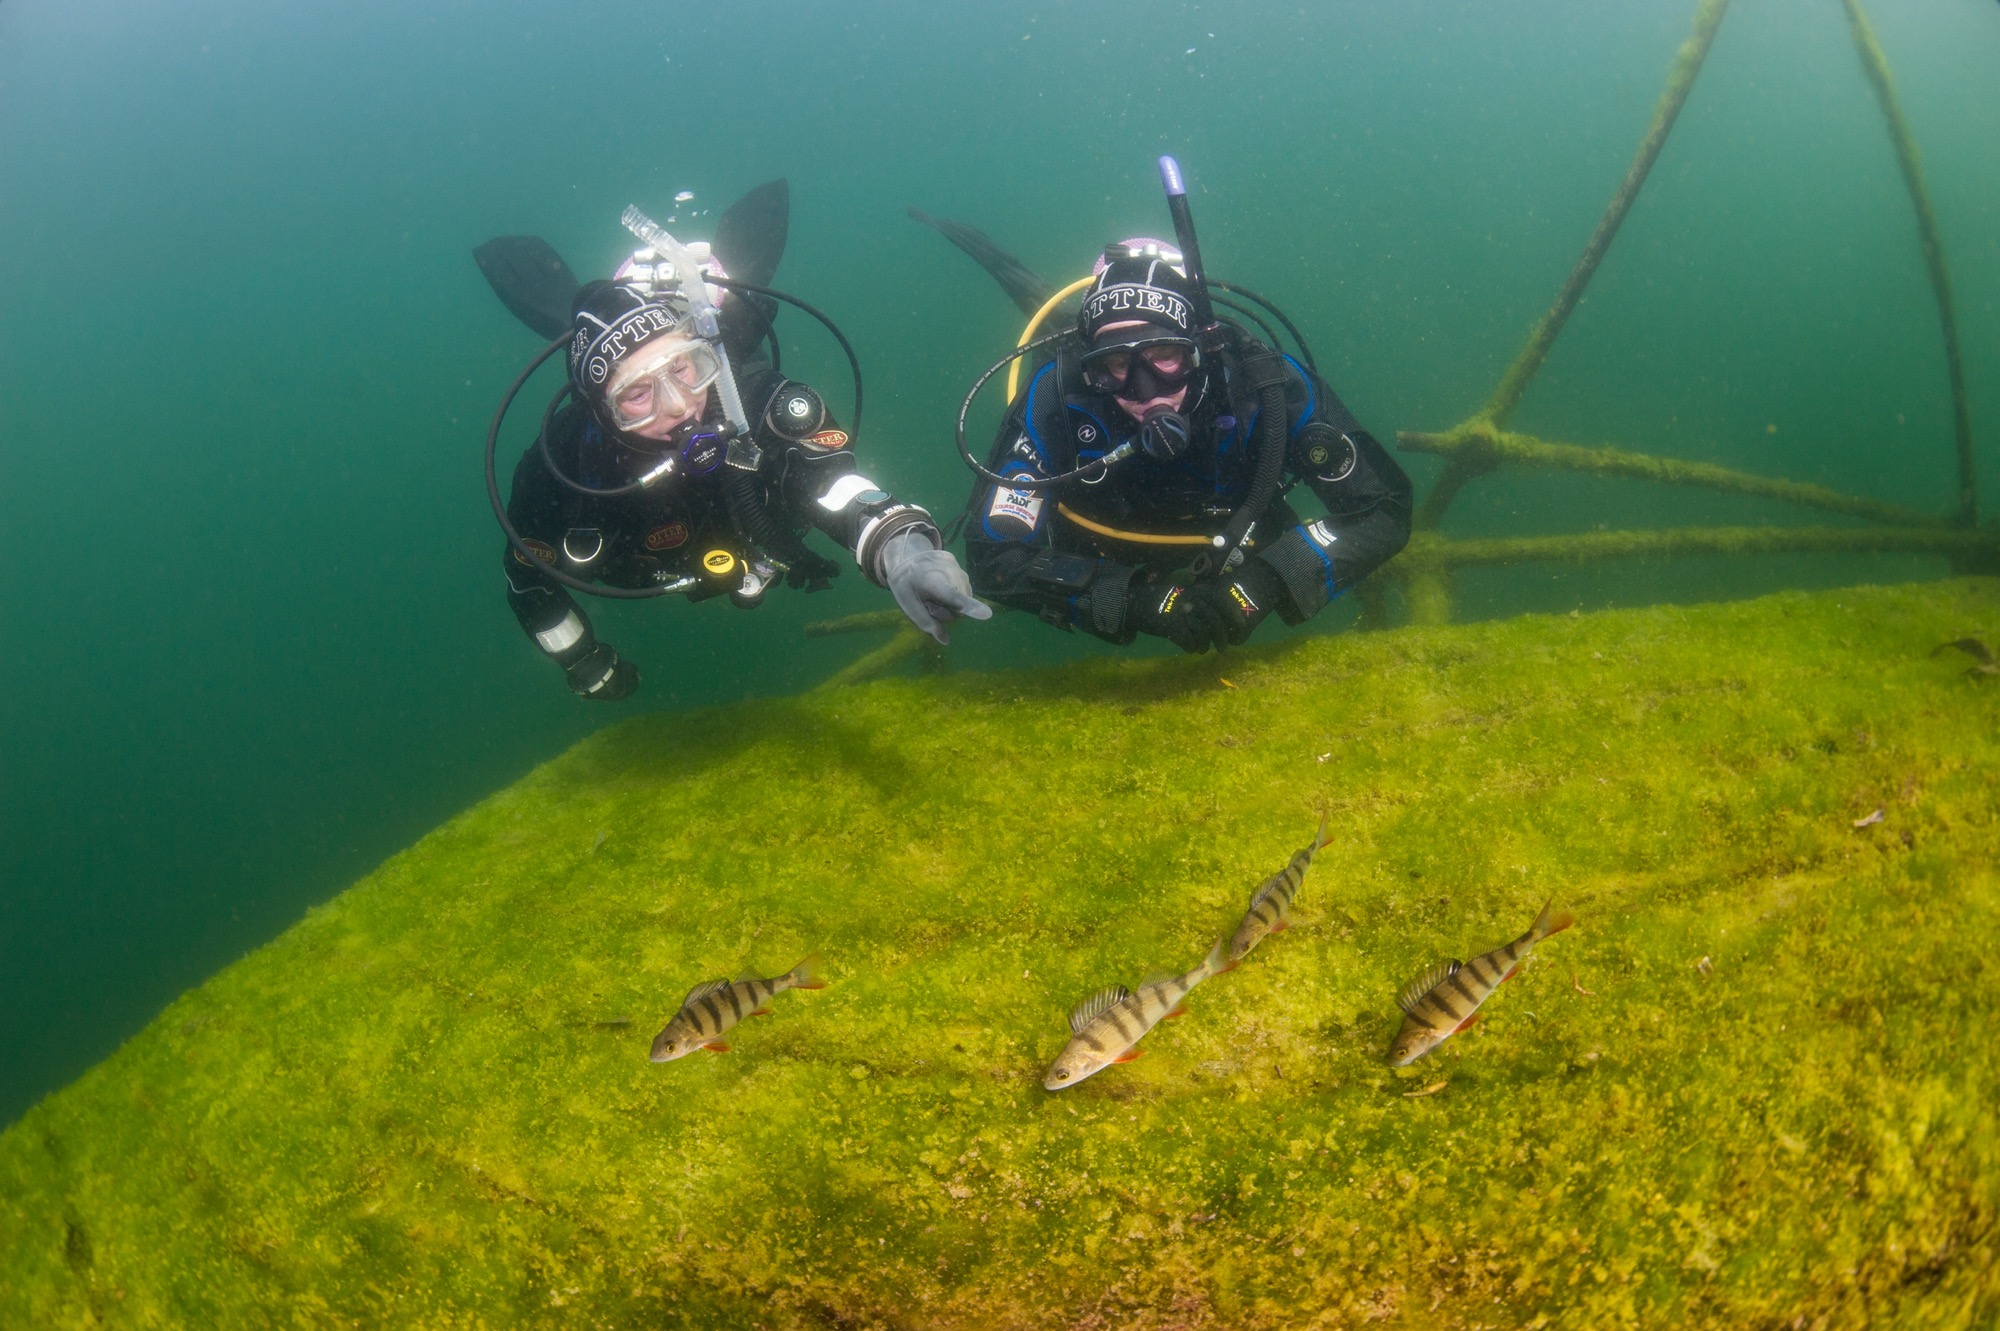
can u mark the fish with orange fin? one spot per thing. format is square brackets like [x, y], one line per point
[714, 1006]
[1271, 905]
[1106, 1028]
[1445, 999]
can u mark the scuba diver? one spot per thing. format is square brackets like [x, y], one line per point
[678, 460]
[1138, 484]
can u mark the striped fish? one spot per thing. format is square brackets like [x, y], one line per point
[1105, 1028]
[714, 1006]
[1445, 999]
[1271, 905]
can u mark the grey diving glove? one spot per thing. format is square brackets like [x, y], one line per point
[928, 583]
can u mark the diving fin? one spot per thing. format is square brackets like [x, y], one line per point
[750, 240]
[531, 280]
[750, 234]
[1026, 288]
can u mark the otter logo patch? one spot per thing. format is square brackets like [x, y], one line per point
[670, 537]
[828, 439]
[543, 551]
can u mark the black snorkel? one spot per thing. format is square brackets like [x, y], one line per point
[1255, 371]
[1177, 205]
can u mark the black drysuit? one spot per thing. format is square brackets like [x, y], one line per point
[1022, 550]
[684, 526]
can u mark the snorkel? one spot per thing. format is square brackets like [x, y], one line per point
[680, 267]
[1257, 370]
[1177, 205]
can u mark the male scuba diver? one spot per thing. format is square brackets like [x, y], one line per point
[1138, 484]
[671, 469]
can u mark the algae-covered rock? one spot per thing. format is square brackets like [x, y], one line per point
[1753, 1087]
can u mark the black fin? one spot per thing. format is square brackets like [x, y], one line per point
[1026, 288]
[750, 235]
[750, 240]
[531, 280]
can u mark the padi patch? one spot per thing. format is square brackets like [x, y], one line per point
[543, 551]
[1022, 506]
[670, 537]
[828, 439]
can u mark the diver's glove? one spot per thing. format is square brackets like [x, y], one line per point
[928, 583]
[601, 675]
[1179, 615]
[1241, 601]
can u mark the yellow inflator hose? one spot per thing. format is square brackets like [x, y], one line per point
[1135, 537]
[1028, 333]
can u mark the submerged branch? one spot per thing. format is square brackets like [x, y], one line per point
[885, 658]
[1428, 555]
[873, 621]
[1680, 78]
[1877, 67]
[1476, 447]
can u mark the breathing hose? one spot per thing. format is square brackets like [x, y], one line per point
[522, 550]
[1096, 465]
[1264, 368]
[780, 544]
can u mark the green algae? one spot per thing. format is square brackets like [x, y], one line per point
[1752, 1088]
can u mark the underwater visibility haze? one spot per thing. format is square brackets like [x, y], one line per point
[258, 646]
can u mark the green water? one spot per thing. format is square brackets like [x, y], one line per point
[255, 639]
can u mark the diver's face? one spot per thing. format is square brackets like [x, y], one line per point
[662, 387]
[1136, 408]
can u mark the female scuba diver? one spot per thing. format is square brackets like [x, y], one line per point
[670, 470]
[1138, 484]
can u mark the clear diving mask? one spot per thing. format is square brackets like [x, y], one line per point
[666, 378]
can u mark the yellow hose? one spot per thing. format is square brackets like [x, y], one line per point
[1028, 333]
[1135, 537]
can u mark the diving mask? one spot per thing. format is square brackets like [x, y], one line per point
[663, 379]
[1159, 365]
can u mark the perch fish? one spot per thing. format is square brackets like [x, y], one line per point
[1445, 999]
[1271, 905]
[1983, 660]
[1106, 1028]
[714, 1006]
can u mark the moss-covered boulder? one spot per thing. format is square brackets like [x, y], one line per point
[1754, 1087]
